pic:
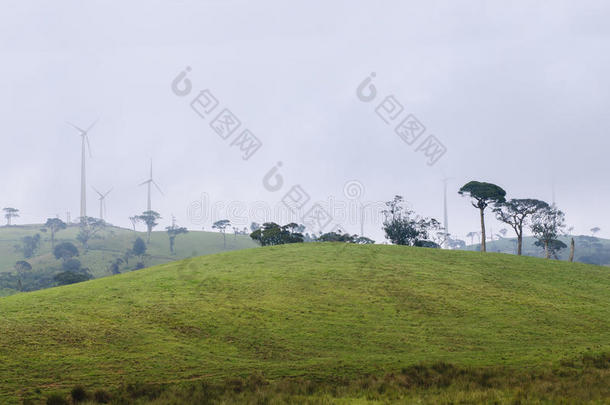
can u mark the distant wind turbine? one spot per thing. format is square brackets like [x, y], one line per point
[83, 182]
[102, 198]
[148, 183]
[445, 216]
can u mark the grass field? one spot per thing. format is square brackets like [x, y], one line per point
[109, 244]
[319, 312]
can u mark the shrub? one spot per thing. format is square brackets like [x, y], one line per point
[140, 266]
[102, 397]
[57, 399]
[78, 394]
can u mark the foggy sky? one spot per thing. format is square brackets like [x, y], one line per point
[518, 94]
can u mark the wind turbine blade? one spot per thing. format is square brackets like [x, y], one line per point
[91, 126]
[107, 192]
[75, 127]
[96, 190]
[158, 188]
[88, 146]
[144, 182]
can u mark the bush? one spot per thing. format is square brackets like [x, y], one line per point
[101, 397]
[78, 394]
[57, 399]
[140, 266]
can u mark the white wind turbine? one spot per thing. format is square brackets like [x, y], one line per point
[83, 182]
[102, 199]
[148, 183]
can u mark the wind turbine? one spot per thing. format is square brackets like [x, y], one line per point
[445, 216]
[102, 198]
[83, 182]
[148, 183]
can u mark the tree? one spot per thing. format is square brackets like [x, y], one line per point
[65, 251]
[73, 265]
[68, 277]
[482, 195]
[89, 227]
[515, 213]
[134, 220]
[29, 246]
[150, 218]
[222, 226]
[254, 226]
[115, 266]
[572, 249]
[139, 248]
[172, 232]
[554, 246]
[471, 235]
[456, 243]
[401, 228]
[22, 267]
[595, 230]
[546, 226]
[271, 234]
[54, 225]
[127, 255]
[9, 214]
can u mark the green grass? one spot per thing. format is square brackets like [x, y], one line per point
[316, 311]
[110, 244]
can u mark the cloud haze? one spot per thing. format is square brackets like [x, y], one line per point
[518, 94]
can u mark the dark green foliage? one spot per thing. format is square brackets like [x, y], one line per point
[89, 227]
[102, 397]
[140, 266]
[139, 248]
[150, 218]
[78, 394]
[579, 380]
[273, 234]
[115, 266]
[515, 212]
[402, 228]
[547, 224]
[29, 246]
[222, 226]
[172, 232]
[55, 225]
[345, 237]
[482, 195]
[57, 399]
[65, 251]
[554, 246]
[69, 277]
[72, 265]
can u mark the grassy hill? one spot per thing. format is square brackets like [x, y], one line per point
[588, 249]
[109, 244]
[321, 312]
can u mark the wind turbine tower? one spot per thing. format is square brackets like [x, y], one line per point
[83, 178]
[102, 198]
[445, 216]
[148, 183]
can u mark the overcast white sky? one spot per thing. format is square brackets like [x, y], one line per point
[518, 94]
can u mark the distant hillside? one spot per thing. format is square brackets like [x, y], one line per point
[111, 243]
[321, 311]
[588, 250]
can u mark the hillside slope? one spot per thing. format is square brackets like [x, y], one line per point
[589, 249]
[110, 244]
[314, 310]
